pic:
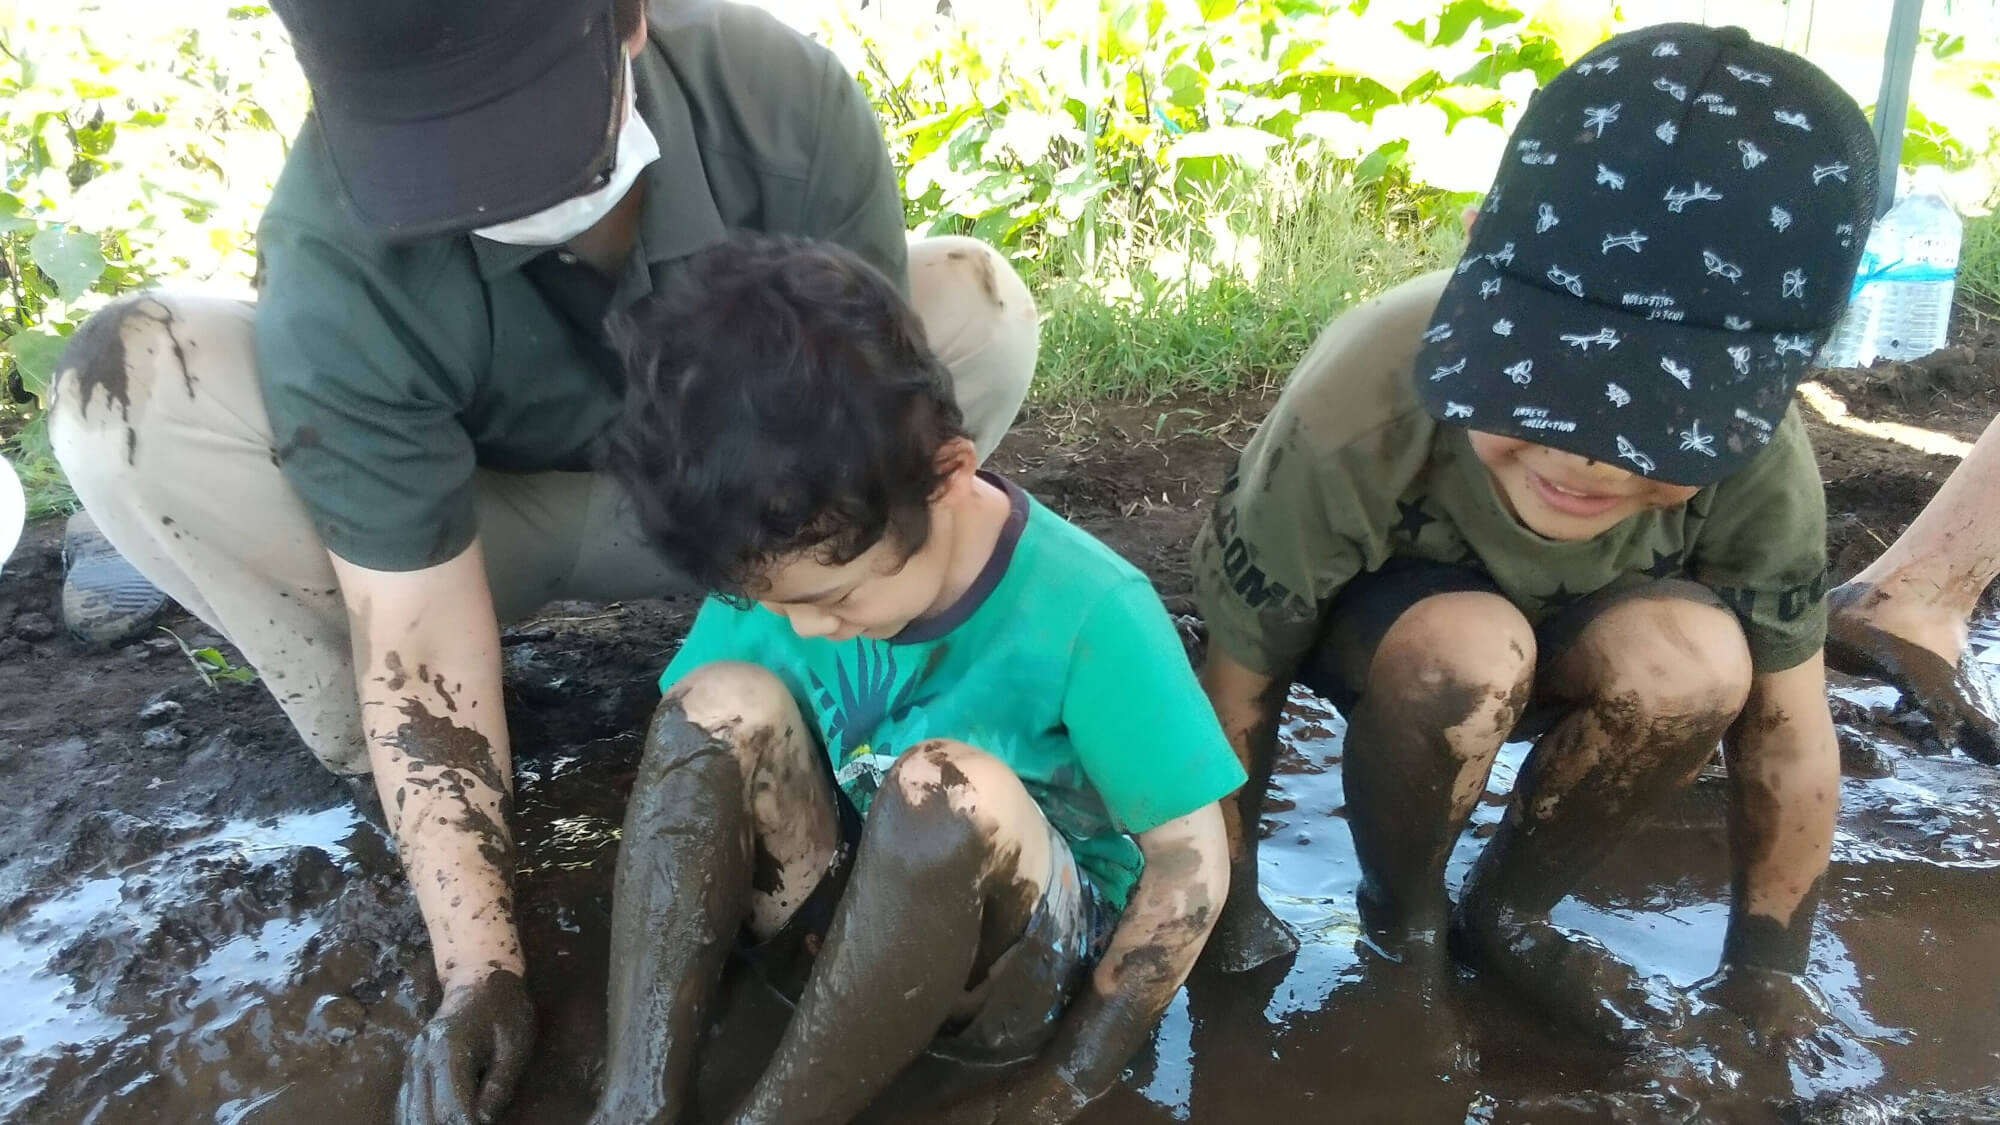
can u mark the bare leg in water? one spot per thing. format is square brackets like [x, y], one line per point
[1442, 690]
[1654, 682]
[731, 823]
[1905, 617]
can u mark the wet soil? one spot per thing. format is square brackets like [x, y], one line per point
[196, 924]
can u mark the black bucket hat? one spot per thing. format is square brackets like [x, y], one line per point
[1670, 239]
[441, 116]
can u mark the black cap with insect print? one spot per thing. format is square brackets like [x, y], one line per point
[1670, 239]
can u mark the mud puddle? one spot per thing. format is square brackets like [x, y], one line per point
[193, 969]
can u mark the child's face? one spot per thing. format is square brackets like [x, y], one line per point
[876, 595]
[1560, 495]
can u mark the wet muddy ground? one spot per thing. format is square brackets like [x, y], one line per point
[195, 924]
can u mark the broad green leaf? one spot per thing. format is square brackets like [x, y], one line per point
[72, 259]
[35, 354]
[1235, 142]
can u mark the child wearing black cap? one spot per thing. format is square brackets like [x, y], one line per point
[1560, 492]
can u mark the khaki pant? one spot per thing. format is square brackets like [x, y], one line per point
[158, 420]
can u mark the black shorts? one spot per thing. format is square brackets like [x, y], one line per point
[1361, 614]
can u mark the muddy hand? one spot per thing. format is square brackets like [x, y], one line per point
[463, 1067]
[1248, 935]
[1039, 1095]
[1947, 694]
[1783, 1013]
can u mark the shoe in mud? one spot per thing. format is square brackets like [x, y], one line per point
[1952, 697]
[105, 599]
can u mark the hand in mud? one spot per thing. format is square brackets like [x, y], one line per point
[1040, 1095]
[463, 1066]
[1248, 935]
[1783, 1013]
[1948, 695]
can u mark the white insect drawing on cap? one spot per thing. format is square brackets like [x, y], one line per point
[1581, 342]
[1735, 323]
[1743, 74]
[1739, 354]
[1666, 49]
[1629, 452]
[1752, 155]
[1437, 333]
[1618, 395]
[1667, 131]
[1545, 217]
[1598, 116]
[1694, 441]
[1682, 374]
[1717, 267]
[1794, 284]
[1834, 171]
[1605, 65]
[1457, 410]
[1791, 117]
[1671, 88]
[1677, 199]
[1792, 345]
[1522, 372]
[1632, 241]
[1448, 371]
[1501, 257]
[1844, 232]
[1610, 179]
[1570, 281]
[1781, 219]
[1489, 287]
[1503, 327]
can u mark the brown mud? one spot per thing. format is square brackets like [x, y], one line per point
[195, 924]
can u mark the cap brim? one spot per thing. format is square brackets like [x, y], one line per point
[549, 138]
[1671, 401]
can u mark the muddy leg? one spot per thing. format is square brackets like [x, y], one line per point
[730, 820]
[1247, 934]
[954, 858]
[1655, 681]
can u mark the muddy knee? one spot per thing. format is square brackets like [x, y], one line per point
[1674, 661]
[1459, 660]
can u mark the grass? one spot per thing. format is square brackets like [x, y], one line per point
[1168, 321]
[27, 449]
[1979, 261]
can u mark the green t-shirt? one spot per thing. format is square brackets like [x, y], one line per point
[1350, 471]
[1060, 661]
[392, 371]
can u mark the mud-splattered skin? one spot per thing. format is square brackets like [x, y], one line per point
[1247, 934]
[1947, 692]
[732, 821]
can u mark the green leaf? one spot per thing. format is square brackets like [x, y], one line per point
[73, 260]
[35, 356]
[1236, 142]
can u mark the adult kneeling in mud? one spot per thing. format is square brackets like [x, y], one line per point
[399, 445]
[930, 730]
[1562, 493]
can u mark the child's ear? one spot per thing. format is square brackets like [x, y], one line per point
[957, 465]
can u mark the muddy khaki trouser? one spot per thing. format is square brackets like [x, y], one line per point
[158, 420]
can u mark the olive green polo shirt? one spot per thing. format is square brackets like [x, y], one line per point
[392, 371]
[1350, 471]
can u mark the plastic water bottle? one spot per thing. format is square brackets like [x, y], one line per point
[1900, 307]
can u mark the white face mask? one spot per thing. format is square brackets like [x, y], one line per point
[556, 225]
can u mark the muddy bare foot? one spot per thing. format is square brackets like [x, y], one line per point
[1574, 981]
[1944, 691]
[1411, 1001]
[1248, 935]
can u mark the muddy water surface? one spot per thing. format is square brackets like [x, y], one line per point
[237, 971]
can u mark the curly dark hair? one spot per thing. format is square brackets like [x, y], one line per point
[781, 399]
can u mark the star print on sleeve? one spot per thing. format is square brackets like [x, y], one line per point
[1414, 519]
[1665, 565]
[1560, 598]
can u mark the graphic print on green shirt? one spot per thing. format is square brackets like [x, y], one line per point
[1349, 471]
[1060, 661]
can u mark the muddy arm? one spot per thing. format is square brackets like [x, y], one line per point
[427, 655]
[1248, 704]
[1156, 943]
[1784, 770]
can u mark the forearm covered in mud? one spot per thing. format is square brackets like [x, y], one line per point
[1784, 769]
[1248, 704]
[427, 661]
[1154, 947]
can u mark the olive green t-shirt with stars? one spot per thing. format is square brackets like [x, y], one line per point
[1350, 471]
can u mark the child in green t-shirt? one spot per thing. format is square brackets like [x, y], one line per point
[926, 723]
[1560, 493]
